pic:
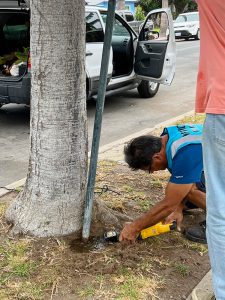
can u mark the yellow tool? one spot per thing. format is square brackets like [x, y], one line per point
[113, 235]
[156, 230]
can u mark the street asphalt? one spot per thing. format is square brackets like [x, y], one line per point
[123, 115]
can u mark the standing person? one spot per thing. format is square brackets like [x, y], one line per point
[210, 99]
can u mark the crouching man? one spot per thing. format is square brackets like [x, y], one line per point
[179, 150]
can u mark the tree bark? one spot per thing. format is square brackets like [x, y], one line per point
[165, 3]
[164, 19]
[52, 201]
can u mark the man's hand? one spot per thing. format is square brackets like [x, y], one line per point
[177, 216]
[129, 233]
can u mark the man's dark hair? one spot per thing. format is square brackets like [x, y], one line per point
[139, 151]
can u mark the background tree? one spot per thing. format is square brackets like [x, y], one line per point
[139, 13]
[52, 201]
[165, 3]
[148, 5]
[180, 5]
[120, 5]
[185, 5]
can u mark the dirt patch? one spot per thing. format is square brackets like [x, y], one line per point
[164, 267]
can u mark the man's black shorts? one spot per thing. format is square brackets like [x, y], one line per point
[201, 186]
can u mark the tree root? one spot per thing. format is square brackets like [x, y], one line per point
[105, 218]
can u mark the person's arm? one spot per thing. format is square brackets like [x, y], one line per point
[174, 195]
[177, 216]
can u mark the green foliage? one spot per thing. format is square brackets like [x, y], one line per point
[192, 5]
[15, 57]
[180, 5]
[22, 56]
[148, 5]
[185, 5]
[139, 13]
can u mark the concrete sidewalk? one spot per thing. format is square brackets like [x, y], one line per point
[205, 284]
[114, 151]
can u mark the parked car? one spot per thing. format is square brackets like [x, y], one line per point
[126, 15]
[187, 26]
[130, 19]
[135, 62]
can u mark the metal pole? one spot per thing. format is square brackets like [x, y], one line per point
[98, 119]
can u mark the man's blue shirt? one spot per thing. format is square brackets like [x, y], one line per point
[187, 165]
[184, 152]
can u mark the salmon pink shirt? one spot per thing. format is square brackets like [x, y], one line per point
[210, 93]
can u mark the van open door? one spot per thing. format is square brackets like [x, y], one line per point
[156, 49]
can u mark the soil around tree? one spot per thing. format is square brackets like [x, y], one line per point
[164, 267]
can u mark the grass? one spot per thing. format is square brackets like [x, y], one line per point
[136, 287]
[3, 207]
[156, 182]
[200, 248]
[128, 188]
[144, 204]
[196, 118]
[125, 286]
[21, 275]
[87, 291]
[16, 269]
[182, 269]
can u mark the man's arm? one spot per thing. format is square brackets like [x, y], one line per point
[174, 195]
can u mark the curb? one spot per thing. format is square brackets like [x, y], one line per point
[111, 151]
[205, 284]
[114, 151]
[12, 186]
[112, 145]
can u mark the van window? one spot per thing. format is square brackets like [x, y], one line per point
[14, 32]
[118, 28]
[94, 30]
[129, 17]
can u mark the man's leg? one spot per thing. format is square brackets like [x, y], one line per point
[196, 197]
[214, 167]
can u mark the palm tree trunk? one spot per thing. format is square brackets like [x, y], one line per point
[165, 3]
[52, 201]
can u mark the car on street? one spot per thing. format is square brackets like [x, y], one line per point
[187, 26]
[126, 15]
[136, 61]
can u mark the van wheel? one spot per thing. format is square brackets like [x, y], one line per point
[197, 37]
[148, 89]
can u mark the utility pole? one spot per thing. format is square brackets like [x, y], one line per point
[120, 5]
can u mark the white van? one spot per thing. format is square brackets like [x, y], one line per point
[141, 62]
[187, 26]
